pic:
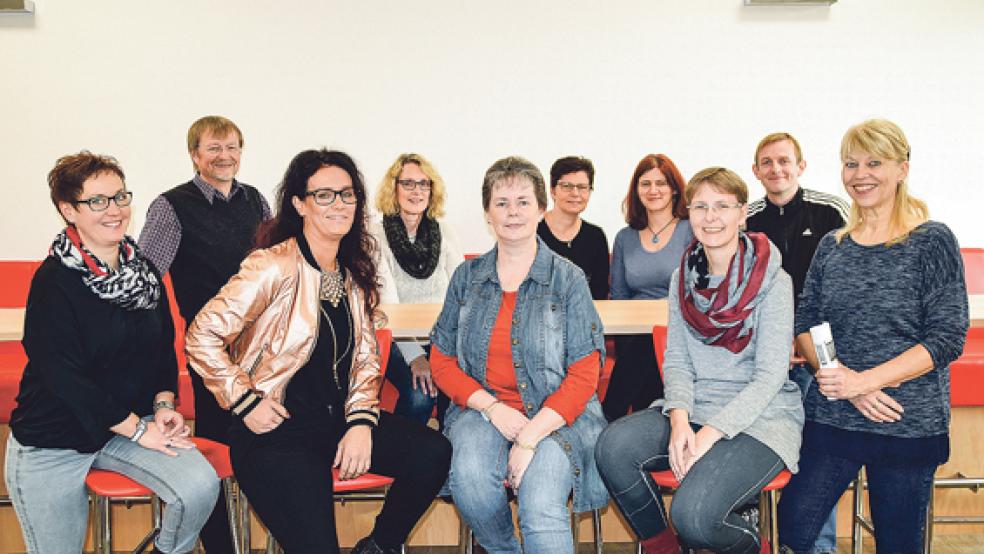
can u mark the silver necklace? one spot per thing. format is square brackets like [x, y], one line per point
[663, 228]
[334, 341]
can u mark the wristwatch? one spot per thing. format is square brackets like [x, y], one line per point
[161, 404]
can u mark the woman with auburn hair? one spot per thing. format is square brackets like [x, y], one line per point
[731, 419]
[101, 377]
[289, 347]
[418, 255]
[644, 255]
[891, 286]
[518, 348]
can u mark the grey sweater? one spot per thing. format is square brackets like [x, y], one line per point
[748, 392]
[881, 301]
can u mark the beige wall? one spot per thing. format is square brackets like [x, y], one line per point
[467, 82]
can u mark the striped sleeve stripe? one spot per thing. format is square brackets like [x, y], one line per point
[827, 199]
[756, 206]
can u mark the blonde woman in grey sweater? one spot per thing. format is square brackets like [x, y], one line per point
[731, 419]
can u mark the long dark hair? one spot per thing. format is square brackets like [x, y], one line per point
[357, 248]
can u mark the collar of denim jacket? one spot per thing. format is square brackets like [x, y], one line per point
[539, 271]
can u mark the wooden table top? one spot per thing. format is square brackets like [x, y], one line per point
[620, 317]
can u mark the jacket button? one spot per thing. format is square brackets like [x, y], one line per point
[567, 446]
[522, 386]
[577, 472]
[515, 341]
[515, 320]
[516, 365]
[529, 407]
[594, 327]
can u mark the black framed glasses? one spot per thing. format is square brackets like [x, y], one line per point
[99, 202]
[409, 184]
[571, 187]
[326, 197]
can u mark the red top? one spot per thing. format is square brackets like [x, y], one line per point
[568, 400]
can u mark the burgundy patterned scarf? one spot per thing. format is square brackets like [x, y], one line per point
[725, 315]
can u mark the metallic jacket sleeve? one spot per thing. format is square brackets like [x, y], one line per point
[217, 326]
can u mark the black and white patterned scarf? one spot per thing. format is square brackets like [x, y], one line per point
[418, 258]
[134, 286]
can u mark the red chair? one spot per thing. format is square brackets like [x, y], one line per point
[108, 486]
[768, 501]
[973, 260]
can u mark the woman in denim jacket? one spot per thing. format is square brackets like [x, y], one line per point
[517, 348]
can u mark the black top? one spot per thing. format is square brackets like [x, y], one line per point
[313, 393]
[588, 250]
[797, 227]
[215, 239]
[90, 362]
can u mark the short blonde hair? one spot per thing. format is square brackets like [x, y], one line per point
[386, 201]
[215, 125]
[722, 179]
[885, 139]
[778, 137]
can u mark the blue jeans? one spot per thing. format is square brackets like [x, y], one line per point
[898, 494]
[827, 539]
[413, 403]
[47, 487]
[730, 475]
[478, 470]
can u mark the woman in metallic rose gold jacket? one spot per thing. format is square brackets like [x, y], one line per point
[288, 345]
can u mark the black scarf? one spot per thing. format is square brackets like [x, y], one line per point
[417, 258]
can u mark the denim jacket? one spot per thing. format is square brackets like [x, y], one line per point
[554, 325]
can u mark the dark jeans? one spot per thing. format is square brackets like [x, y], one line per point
[635, 381]
[898, 494]
[413, 403]
[212, 422]
[286, 474]
[728, 477]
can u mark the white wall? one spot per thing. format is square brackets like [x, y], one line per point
[465, 83]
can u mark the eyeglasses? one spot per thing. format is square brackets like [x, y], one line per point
[409, 184]
[326, 197]
[654, 184]
[702, 210]
[569, 187]
[216, 149]
[99, 202]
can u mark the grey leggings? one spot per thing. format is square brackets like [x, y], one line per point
[729, 476]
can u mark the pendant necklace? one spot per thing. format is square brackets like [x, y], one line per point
[334, 341]
[663, 228]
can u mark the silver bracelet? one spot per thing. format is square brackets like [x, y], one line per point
[141, 429]
[161, 404]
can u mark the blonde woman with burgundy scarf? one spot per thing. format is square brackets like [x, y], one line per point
[731, 418]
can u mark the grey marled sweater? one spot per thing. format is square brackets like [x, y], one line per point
[881, 301]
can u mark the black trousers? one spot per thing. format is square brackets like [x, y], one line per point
[286, 474]
[635, 381]
[212, 422]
